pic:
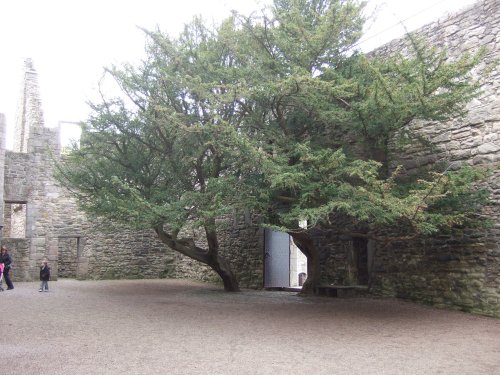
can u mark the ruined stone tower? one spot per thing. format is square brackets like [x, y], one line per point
[29, 111]
[26, 176]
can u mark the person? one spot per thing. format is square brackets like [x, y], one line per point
[1, 275]
[7, 261]
[44, 276]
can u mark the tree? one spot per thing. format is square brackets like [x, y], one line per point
[166, 155]
[331, 113]
[277, 113]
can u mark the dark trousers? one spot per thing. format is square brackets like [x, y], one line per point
[6, 276]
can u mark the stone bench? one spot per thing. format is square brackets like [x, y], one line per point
[340, 290]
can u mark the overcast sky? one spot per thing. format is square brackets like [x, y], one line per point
[70, 41]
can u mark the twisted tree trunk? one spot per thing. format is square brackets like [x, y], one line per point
[209, 257]
[219, 264]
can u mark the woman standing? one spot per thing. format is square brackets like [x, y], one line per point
[7, 261]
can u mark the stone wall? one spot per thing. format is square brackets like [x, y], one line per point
[139, 254]
[460, 271]
[28, 188]
[242, 244]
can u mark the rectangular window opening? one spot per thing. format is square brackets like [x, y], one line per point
[15, 220]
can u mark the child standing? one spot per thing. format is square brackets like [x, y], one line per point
[44, 276]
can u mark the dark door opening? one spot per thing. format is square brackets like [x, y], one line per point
[360, 248]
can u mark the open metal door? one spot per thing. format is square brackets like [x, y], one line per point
[276, 259]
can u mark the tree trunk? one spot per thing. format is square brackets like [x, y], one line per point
[305, 243]
[219, 264]
[211, 257]
[223, 269]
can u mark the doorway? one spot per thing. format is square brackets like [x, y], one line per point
[68, 259]
[285, 266]
[360, 260]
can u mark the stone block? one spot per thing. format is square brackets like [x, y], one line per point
[38, 242]
[488, 148]
[453, 145]
[445, 137]
[459, 155]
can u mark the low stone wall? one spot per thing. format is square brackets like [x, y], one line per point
[453, 272]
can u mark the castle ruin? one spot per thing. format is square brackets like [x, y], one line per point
[40, 220]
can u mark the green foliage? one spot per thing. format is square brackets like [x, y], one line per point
[329, 122]
[324, 182]
[277, 113]
[169, 151]
[394, 90]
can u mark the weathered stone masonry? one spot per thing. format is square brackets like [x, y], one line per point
[464, 271]
[460, 272]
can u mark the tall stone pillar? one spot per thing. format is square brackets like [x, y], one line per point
[29, 111]
[32, 187]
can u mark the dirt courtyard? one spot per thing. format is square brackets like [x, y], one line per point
[183, 327]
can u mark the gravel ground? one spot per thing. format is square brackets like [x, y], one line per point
[183, 327]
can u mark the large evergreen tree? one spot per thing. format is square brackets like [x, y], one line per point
[278, 113]
[166, 154]
[331, 113]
